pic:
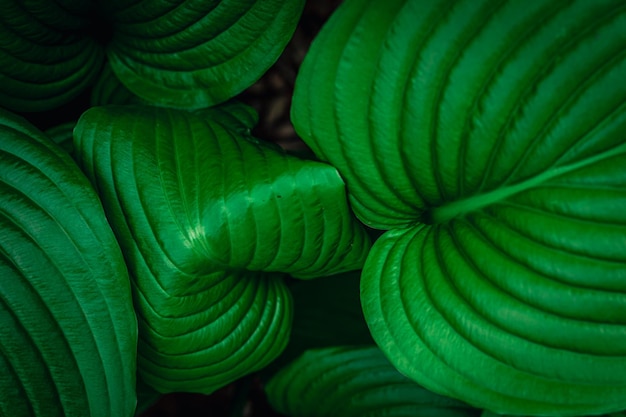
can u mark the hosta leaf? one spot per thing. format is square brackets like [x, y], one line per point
[197, 53]
[209, 219]
[68, 333]
[489, 136]
[44, 59]
[354, 381]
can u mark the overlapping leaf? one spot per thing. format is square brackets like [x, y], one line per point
[68, 333]
[184, 54]
[209, 219]
[490, 137]
[197, 53]
[354, 381]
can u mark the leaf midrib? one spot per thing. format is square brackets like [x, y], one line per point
[444, 213]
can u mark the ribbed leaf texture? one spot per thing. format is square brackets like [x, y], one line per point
[209, 220]
[489, 136]
[354, 381]
[197, 53]
[68, 333]
[185, 53]
[44, 59]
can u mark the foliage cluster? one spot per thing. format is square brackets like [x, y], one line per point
[456, 245]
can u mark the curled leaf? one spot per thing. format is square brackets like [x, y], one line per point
[210, 220]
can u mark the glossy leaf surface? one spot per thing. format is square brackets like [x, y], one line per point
[490, 137]
[194, 54]
[209, 220]
[354, 381]
[68, 333]
[45, 59]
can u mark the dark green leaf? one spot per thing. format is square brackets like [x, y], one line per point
[195, 54]
[354, 381]
[490, 136]
[44, 60]
[68, 333]
[209, 220]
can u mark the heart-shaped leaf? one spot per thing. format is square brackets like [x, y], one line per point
[68, 333]
[354, 381]
[45, 61]
[194, 54]
[490, 136]
[209, 219]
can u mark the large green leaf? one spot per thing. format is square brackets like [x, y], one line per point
[489, 136]
[197, 53]
[209, 219]
[68, 333]
[354, 381]
[45, 61]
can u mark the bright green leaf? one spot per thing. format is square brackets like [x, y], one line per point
[354, 381]
[197, 53]
[489, 136]
[209, 220]
[68, 333]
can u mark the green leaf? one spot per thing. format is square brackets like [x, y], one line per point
[354, 381]
[209, 220]
[489, 136]
[44, 60]
[197, 53]
[68, 333]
